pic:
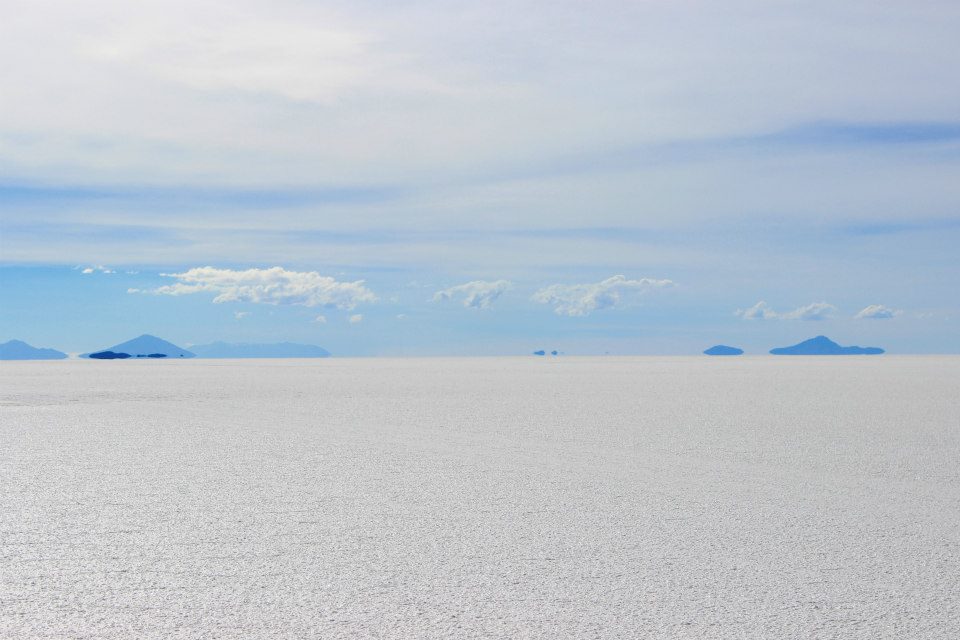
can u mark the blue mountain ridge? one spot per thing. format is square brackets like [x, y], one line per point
[20, 350]
[824, 346]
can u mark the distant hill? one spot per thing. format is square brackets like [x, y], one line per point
[279, 350]
[145, 346]
[824, 346]
[723, 350]
[19, 350]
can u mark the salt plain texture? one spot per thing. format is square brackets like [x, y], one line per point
[754, 497]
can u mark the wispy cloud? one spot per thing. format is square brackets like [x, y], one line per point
[479, 294]
[269, 286]
[321, 319]
[882, 133]
[583, 299]
[240, 315]
[876, 312]
[196, 198]
[356, 318]
[759, 311]
[813, 311]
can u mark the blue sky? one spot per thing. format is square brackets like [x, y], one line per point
[464, 179]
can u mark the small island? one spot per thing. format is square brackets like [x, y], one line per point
[723, 350]
[824, 346]
[109, 355]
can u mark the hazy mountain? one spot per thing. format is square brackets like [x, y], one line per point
[824, 346]
[145, 346]
[278, 350]
[19, 350]
[723, 350]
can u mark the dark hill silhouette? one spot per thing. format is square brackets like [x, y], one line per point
[824, 346]
[146, 346]
[723, 350]
[20, 350]
[279, 350]
[109, 355]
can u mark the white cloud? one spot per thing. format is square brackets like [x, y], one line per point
[240, 315]
[401, 316]
[320, 319]
[759, 311]
[97, 268]
[812, 311]
[269, 286]
[582, 299]
[479, 294]
[877, 312]
[356, 318]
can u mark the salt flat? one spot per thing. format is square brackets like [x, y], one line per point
[455, 498]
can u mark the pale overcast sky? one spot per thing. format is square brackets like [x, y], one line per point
[481, 178]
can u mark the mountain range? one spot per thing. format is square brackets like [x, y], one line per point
[824, 346]
[145, 346]
[19, 350]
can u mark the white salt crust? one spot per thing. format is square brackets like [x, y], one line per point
[481, 498]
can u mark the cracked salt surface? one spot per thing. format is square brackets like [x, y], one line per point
[459, 498]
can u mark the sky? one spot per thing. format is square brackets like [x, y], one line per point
[453, 178]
